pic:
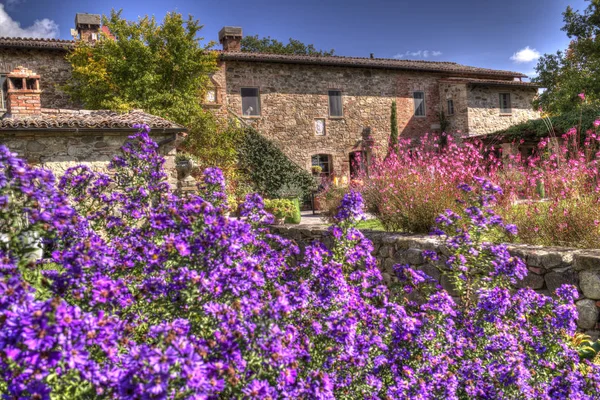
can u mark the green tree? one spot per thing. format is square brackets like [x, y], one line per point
[162, 68]
[568, 73]
[393, 129]
[254, 44]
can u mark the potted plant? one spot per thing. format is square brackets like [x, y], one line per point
[316, 170]
[280, 208]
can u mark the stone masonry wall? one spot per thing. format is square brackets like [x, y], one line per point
[51, 65]
[484, 110]
[60, 150]
[293, 97]
[549, 268]
[457, 92]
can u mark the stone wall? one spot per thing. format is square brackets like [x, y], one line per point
[293, 97]
[59, 150]
[457, 92]
[548, 267]
[51, 65]
[484, 110]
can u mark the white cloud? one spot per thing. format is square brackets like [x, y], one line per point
[10, 3]
[419, 54]
[526, 55]
[44, 28]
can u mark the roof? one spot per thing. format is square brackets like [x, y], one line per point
[384, 63]
[60, 119]
[491, 82]
[87, 19]
[36, 43]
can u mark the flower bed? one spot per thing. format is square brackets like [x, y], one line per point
[147, 294]
[552, 196]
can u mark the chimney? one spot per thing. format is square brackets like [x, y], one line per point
[23, 97]
[231, 38]
[87, 26]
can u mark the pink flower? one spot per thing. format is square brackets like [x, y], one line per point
[597, 123]
[581, 96]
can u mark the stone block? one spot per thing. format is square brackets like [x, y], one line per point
[388, 266]
[414, 256]
[449, 286]
[589, 282]
[35, 146]
[556, 279]
[532, 281]
[542, 258]
[588, 314]
[431, 270]
[587, 260]
[385, 251]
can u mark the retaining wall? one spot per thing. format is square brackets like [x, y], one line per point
[549, 267]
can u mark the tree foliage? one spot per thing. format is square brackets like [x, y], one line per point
[254, 44]
[159, 67]
[393, 129]
[568, 73]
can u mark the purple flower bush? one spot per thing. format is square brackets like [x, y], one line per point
[143, 293]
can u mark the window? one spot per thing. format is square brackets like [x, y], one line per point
[335, 103]
[3, 90]
[250, 102]
[505, 106]
[419, 99]
[323, 161]
[450, 107]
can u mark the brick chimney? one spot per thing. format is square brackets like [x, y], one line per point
[87, 26]
[231, 38]
[23, 97]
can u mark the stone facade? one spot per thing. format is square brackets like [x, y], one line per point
[549, 268]
[59, 150]
[484, 115]
[51, 65]
[294, 98]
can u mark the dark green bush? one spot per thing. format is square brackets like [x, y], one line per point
[269, 168]
[561, 123]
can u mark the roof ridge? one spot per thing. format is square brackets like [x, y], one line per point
[37, 39]
[341, 57]
[346, 61]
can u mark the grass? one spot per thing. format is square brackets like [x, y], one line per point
[372, 224]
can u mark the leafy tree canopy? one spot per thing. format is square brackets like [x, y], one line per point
[159, 67]
[568, 73]
[254, 44]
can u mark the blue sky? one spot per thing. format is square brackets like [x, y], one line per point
[474, 32]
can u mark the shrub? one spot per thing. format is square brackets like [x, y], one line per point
[329, 200]
[280, 208]
[151, 295]
[561, 124]
[409, 188]
[268, 168]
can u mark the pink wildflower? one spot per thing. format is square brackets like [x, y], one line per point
[581, 96]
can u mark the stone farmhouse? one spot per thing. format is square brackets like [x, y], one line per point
[329, 111]
[40, 123]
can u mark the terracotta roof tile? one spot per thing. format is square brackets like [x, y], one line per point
[385, 63]
[36, 43]
[85, 119]
[490, 82]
